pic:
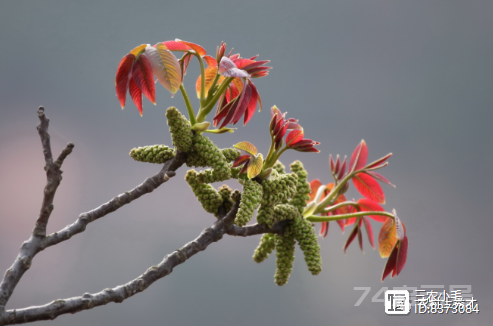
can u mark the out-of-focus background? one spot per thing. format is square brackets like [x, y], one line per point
[410, 77]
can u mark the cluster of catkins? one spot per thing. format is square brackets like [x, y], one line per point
[282, 196]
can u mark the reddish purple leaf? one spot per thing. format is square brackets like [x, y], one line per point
[241, 160]
[401, 256]
[176, 46]
[338, 165]
[391, 264]
[379, 161]
[254, 64]
[351, 237]
[197, 48]
[369, 231]
[251, 105]
[380, 177]
[144, 78]
[359, 157]
[366, 204]
[294, 136]
[369, 187]
[343, 169]
[324, 230]
[136, 94]
[122, 75]
[242, 103]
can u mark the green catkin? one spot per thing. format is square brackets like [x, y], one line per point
[279, 167]
[250, 200]
[277, 189]
[285, 212]
[285, 256]
[303, 188]
[265, 214]
[205, 153]
[230, 154]
[265, 248]
[304, 233]
[209, 197]
[152, 154]
[236, 195]
[226, 193]
[212, 175]
[179, 128]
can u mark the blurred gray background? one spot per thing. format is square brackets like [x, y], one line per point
[410, 77]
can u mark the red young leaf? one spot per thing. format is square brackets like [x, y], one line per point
[241, 160]
[343, 169]
[380, 177]
[351, 237]
[252, 104]
[341, 225]
[366, 204]
[338, 165]
[197, 48]
[241, 63]
[332, 164]
[144, 78]
[253, 65]
[122, 75]
[294, 136]
[211, 62]
[175, 46]
[314, 185]
[369, 230]
[379, 161]
[360, 237]
[369, 187]
[359, 157]
[243, 103]
[231, 112]
[136, 94]
[401, 256]
[324, 230]
[390, 265]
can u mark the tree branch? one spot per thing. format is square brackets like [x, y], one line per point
[53, 173]
[38, 241]
[122, 292]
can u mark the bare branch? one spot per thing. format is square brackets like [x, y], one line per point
[38, 240]
[53, 173]
[122, 292]
[43, 134]
[256, 229]
[147, 186]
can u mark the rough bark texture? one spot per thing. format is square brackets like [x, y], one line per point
[39, 241]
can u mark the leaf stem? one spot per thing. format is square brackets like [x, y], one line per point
[314, 218]
[203, 112]
[211, 89]
[202, 79]
[191, 113]
[340, 205]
